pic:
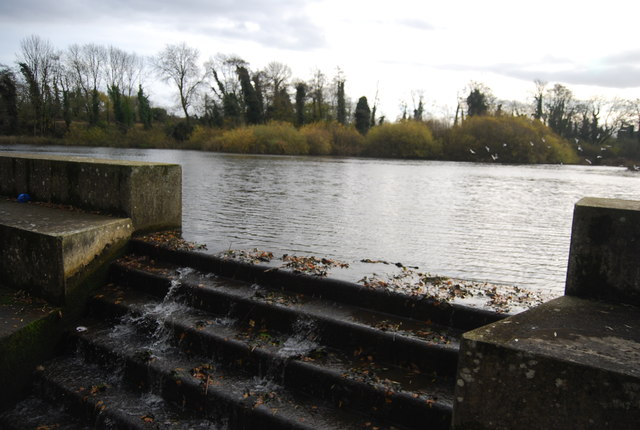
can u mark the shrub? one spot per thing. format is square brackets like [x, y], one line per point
[404, 139]
[205, 138]
[180, 131]
[318, 138]
[506, 139]
[240, 140]
[279, 138]
[85, 135]
[346, 140]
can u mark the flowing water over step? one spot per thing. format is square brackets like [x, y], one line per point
[182, 340]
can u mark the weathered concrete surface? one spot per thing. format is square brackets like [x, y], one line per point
[570, 363]
[29, 331]
[45, 250]
[604, 259]
[148, 193]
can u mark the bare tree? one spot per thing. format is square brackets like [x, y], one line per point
[223, 68]
[226, 86]
[86, 63]
[276, 76]
[560, 109]
[178, 64]
[317, 90]
[37, 62]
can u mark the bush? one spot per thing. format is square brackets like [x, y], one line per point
[318, 138]
[180, 131]
[84, 135]
[279, 138]
[239, 140]
[346, 140]
[272, 138]
[506, 139]
[205, 138]
[404, 139]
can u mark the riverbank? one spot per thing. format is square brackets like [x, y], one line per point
[506, 140]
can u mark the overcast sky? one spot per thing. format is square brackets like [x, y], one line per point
[397, 46]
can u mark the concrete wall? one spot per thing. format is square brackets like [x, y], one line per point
[573, 362]
[148, 193]
[604, 259]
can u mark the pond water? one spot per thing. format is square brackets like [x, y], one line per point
[498, 223]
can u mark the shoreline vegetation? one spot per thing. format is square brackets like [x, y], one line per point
[490, 139]
[94, 95]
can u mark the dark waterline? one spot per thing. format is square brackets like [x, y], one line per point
[505, 224]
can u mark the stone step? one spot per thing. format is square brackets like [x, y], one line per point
[95, 394]
[36, 413]
[48, 251]
[431, 347]
[299, 360]
[223, 395]
[392, 302]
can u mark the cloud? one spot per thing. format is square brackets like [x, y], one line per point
[417, 24]
[264, 22]
[618, 71]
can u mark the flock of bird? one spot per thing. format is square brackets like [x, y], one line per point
[494, 157]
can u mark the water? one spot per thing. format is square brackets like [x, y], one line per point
[504, 224]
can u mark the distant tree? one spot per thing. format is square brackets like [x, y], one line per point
[538, 99]
[561, 108]
[37, 62]
[227, 88]
[258, 85]
[301, 98]
[341, 107]
[316, 91]
[281, 108]
[144, 109]
[34, 96]
[179, 64]
[213, 115]
[418, 108]
[477, 103]
[118, 109]
[86, 67]
[159, 115]
[67, 112]
[362, 116]
[276, 77]
[8, 102]
[253, 113]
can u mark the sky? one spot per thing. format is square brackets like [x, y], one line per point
[396, 49]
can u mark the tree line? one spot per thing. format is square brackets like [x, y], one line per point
[92, 93]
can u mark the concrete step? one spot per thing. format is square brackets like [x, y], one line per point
[47, 251]
[184, 340]
[36, 413]
[300, 359]
[432, 347]
[95, 394]
[226, 396]
[396, 303]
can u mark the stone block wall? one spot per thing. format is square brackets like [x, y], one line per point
[148, 193]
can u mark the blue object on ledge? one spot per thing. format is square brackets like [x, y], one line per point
[23, 198]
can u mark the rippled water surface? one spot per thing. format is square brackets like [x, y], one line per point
[505, 224]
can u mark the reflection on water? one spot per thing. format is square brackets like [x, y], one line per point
[508, 224]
